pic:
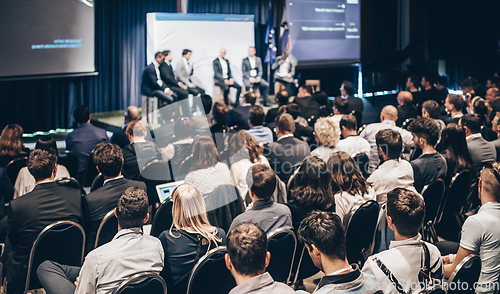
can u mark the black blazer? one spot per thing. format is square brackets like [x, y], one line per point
[238, 117]
[131, 164]
[167, 75]
[308, 106]
[218, 78]
[120, 138]
[355, 104]
[285, 154]
[149, 81]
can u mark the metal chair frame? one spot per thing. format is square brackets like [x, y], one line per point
[139, 278]
[285, 231]
[220, 249]
[108, 215]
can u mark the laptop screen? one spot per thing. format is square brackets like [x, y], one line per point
[165, 190]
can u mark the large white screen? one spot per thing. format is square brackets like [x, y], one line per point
[205, 35]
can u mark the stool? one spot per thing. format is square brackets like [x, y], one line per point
[315, 84]
[150, 109]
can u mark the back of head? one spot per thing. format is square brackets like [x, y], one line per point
[261, 179]
[158, 54]
[407, 210]
[250, 98]
[185, 51]
[406, 97]
[183, 128]
[46, 143]
[204, 153]
[390, 113]
[467, 84]
[346, 175]
[282, 97]
[321, 97]
[432, 108]
[348, 87]
[426, 128]
[490, 180]
[324, 231]
[244, 146]
[472, 121]
[108, 158]
[391, 143]
[136, 128]
[220, 113]
[11, 140]
[483, 109]
[327, 132]
[307, 88]
[132, 208]
[247, 249]
[415, 80]
[206, 101]
[132, 113]
[430, 77]
[285, 123]
[293, 109]
[349, 122]
[457, 101]
[41, 163]
[342, 105]
[454, 146]
[442, 80]
[81, 114]
[256, 116]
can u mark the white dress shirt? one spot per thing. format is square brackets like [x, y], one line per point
[157, 70]
[223, 64]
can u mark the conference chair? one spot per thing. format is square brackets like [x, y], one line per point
[62, 242]
[144, 282]
[154, 173]
[363, 162]
[71, 182]
[13, 168]
[107, 229]
[70, 161]
[433, 197]
[224, 204]
[466, 273]
[210, 274]
[282, 244]
[90, 171]
[163, 218]
[97, 183]
[360, 232]
[304, 268]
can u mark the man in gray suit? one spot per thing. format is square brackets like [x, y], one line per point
[252, 74]
[184, 70]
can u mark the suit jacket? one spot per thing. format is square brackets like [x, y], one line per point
[238, 117]
[405, 112]
[246, 67]
[167, 75]
[218, 77]
[29, 215]
[182, 74]
[83, 140]
[137, 155]
[120, 138]
[308, 106]
[285, 154]
[355, 104]
[150, 81]
[481, 151]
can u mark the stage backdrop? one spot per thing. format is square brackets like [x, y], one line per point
[205, 35]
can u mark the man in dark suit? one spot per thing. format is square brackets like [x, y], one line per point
[109, 160]
[287, 152]
[168, 77]
[355, 104]
[406, 109]
[238, 116]
[223, 77]
[28, 215]
[120, 138]
[153, 85]
[252, 74]
[309, 107]
[84, 138]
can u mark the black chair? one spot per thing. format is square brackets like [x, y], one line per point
[70, 161]
[163, 218]
[360, 232]
[282, 244]
[97, 183]
[145, 282]
[154, 173]
[305, 267]
[456, 201]
[62, 242]
[363, 162]
[467, 271]
[223, 205]
[433, 197]
[210, 274]
[13, 167]
[71, 182]
[107, 229]
[90, 172]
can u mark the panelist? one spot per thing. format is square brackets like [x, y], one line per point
[152, 84]
[168, 77]
[223, 77]
[252, 74]
[184, 70]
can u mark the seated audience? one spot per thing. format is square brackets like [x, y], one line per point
[406, 109]
[327, 135]
[190, 237]
[6, 194]
[219, 129]
[349, 187]
[431, 165]
[120, 137]
[203, 121]
[493, 97]
[257, 129]
[454, 150]
[84, 138]
[482, 108]
[309, 107]
[105, 268]
[352, 144]
[11, 144]
[28, 215]
[164, 134]
[281, 99]
[347, 92]
[429, 92]
[108, 159]
[247, 258]
[263, 212]
[410, 260]
[238, 116]
[431, 110]
[182, 148]
[287, 152]
[454, 104]
[393, 171]
[325, 108]
[244, 152]
[302, 129]
[441, 83]
[324, 238]
[495, 126]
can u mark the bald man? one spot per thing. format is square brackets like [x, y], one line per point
[223, 77]
[120, 138]
[406, 109]
[388, 118]
[493, 95]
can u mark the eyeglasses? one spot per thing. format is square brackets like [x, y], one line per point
[495, 168]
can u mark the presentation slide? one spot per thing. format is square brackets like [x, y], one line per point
[40, 37]
[204, 35]
[326, 31]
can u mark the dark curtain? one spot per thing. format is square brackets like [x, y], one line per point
[120, 56]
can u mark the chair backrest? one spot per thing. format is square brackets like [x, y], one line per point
[163, 218]
[97, 183]
[363, 162]
[154, 173]
[70, 161]
[467, 271]
[210, 274]
[457, 194]
[13, 168]
[62, 242]
[107, 229]
[433, 196]
[71, 182]
[223, 205]
[90, 171]
[145, 282]
[360, 231]
[282, 244]
[305, 267]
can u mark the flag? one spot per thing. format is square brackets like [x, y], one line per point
[270, 39]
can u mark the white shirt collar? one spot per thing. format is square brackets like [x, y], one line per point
[458, 115]
[156, 64]
[410, 241]
[119, 177]
[473, 136]
[285, 136]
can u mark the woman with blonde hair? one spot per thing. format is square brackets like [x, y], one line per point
[327, 135]
[11, 144]
[190, 237]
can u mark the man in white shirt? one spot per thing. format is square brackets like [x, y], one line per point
[252, 74]
[223, 77]
[184, 70]
[352, 144]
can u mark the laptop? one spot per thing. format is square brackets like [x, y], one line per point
[164, 191]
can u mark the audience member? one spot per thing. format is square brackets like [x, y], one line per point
[493, 95]
[429, 92]
[393, 171]
[431, 110]
[164, 134]
[238, 116]
[247, 258]
[454, 104]
[281, 99]
[6, 194]
[454, 150]
[340, 108]
[349, 187]
[257, 129]
[294, 110]
[84, 138]
[28, 215]
[325, 108]
[190, 237]
[202, 123]
[302, 129]
[410, 261]
[412, 86]
[263, 212]
[495, 126]
[219, 129]
[11, 144]
[406, 109]
[467, 87]
[482, 108]
[354, 103]
[431, 165]
[105, 268]
[327, 136]
[441, 87]
[120, 137]
[492, 82]
[182, 148]
[324, 238]
[388, 118]
[309, 107]
[352, 144]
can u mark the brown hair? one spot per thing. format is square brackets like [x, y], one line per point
[220, 113]
[136, 128]
[204, 153]
[345, 174]
[237, 146]
[41, 164]
[285, 123]
[11, 142]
